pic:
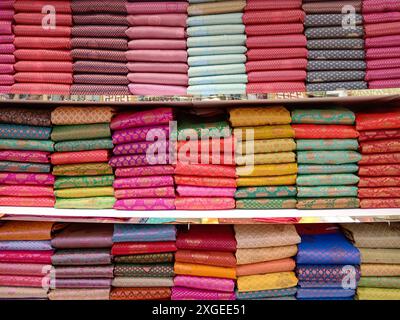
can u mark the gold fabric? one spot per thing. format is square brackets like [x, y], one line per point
[259, 116]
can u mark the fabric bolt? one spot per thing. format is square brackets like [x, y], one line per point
[283, 203]
[140, 293]
[204, 271]
[149, 233]
[328, 203]
[204, 283]
[77, 257]
[181, 293]
[102, 202]
[279, 280]
[80, 182]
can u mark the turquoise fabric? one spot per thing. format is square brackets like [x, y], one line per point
[216, 60]
[323, 116]
[207, 30]
[203, 71]
[328, 157]
[327, 144]
[213, 19]
[209, 51]
[233, 78]
[322, 169]
[222, 40]
[329, 192]
[327, 180]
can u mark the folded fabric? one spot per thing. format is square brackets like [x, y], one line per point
[27, 269]
[42, 54]
[83, 182]
[145, 204]
[379, 170]
[13, 201]
[281, 64]
[280, 203]
[145, 171]
[9, 166]
[164, 19]
[327, 144]
[178, 79]
[189, 191]
[79, 157]
[159, 66]
[378, 255]
[44, 66]
[36, 19]
[152, 192]
[391, 192]
[216, 50]
[379, 182]
[130, 248]
[204, 203]
[314, 293]
[328, 203]
[9, 131]
[85, 89]
[99, 55]
[265, 146]
[34, 145]
[79, 294]
[380, 146]
[265, 132]
[265, 192]
[212, 258]
[83, 145]
[26, 191]
[267, 170]
[43, 43]
[204, 283]
[23, 281]
[143, 182]
[26, 178]
[144, 270]
[132, 233]
[204, 270]
[280, 280]
[255, 255]
[205, 181]
[311, 131]
[79, 132]
[273, 29]
[216, 8]
[276, 53]
[181, 293]
[266, 158]
[85, 203]
[77, 272]
[82, 283]
[325, 169]
[99, 67]
[275, 293]
[328, 157]
[140, 293]
[139, 133]
[378, 294]
[142, 282]
[327, 274]
[379, 134]
[379, 270]
[379, 282]
[283, 265]
[242, 117]
[146, 258]
[25, 245]
[26, 256]
[77, 257]
[23, 230]
[331, 191]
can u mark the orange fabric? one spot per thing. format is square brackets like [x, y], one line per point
[204, 271]
[24, 230]
[282, 265]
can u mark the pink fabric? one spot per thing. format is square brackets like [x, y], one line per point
[27, 42]
[6, 15]
[383, 53]
[204, 203]
[381, 17]
[27, 202]
[7, 48]
[6, 79]
[381, 42]
[286, 64]
[7, 38]
[172, 19]
[282, 41]
[39, 31]
[42, 77]
[6, 69]
[380, 6]
[161, 44]
[273, 16]
[5, 27]
[205, 283]
[145, 171]
[139, 119]
[157, 7]
[43, 55]
[279, 76]
[157, 55]
[179, 293]
[36, 19]
[143, 182]
[145, 204]
[382, 29]
[25, 156]
[158, 67]
[5, 89]
[156, 192]
[7, 58]
[152, 32]
[140, 147]
[61, 6]
[43, 66]
[28, 269]
[382, 74]
[383, 64]
[157, 90]
[178, 79]
[277, 53]
[40, 88]
[7, 4]
[272, 4]
[275, 87]
[24, 281]
[189, 191]
[26, 256]
[382, 84]
[26, 191]
[135, 134]
[274, 29]
[26, 178]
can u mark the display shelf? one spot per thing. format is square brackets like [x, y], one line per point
[207, 217]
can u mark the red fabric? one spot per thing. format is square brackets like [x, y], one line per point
[205, 181]
[274, 29]
[384, 84]
[42, 43]
[275, 16]
[7, 4]
[384, 65]
[382, 74]
[39, 31]
[380, 203]
[286, 64]
[380, 6]
[382, 42]
[276, 53]
[5, 89]
[225, 145]
[9, 39]
[315, 131]
[275, 87]
[381, 17]
[225, 159]
[379, 182]
[36, 19]
[40, 88]
[205, 170]
[379, 170]
[272, 4]
[382, 29]
[378, 120]
[37, 5]
[380, 146]
[278, 76]
[43, 77]
[43, 55]
[380, 158]
[43, 66]
[283, 41]
[80, 157]
[379, 134]
[391, 192]
[383, 53]
[26, 256]
[130, 248]
[207, 237]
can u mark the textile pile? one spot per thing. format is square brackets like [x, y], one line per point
[216, 47]
[143, 256]
[205, 263]
[83, 141]
[43, 47]
[144, 176]
[98, 47]
[379, 171]
[277, 53]
[25, 147]
[265, 264]
[7, 48]
[82, 262]
[265, 158]
[327, 153]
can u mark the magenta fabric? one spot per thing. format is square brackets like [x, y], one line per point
[190, 191]
[7, 38]
[5, 27]
[157, 55]
[156, 90]
[178, 79]
[25, 156]
[167, 19]
[383, 53]
[7, 58]
[140, 119]
[7, 48]
[382, 74]
[5, 89]
[148, 7]
[26, 256]
[157, 44]
[158, 67]
[143, 182]
[139, 147]
[383, 64]
[139, 134]
[145, 171]
[24, 281]
[6, 79]
[381, 17]
[180, 293]
[26, 178]
[371, 6]
[205, 283]
[145, 204]
[155, 192]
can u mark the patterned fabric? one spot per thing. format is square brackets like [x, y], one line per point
[317, 65]
[26, 116]
[26, 178]
[148, 233]
[324, 293]
[335, 44]
[335, 76]
[267, 170]
[327, 180]
[140, 294]
[325, 169]
[328, 157]
[179, 293]
[72, 272]
[9, 131]
[25, 245]
[142, 282]
[266, 146]
[8, 166]
[81, 257]
[144, 270]
[380, 282]
[34, 145]
[25, 156]
[325, 20]
[328, 203]
[145, 258]
[242, 117]
[145, 204]
[272, 281]
[154, 192]
[327, 144]
[326, 273]
[334, 32]
[265, 192]
[22, 256]
[334, 86]
[378, 294]
[79, 294]
[275, 293]
[84, 192]
[255, 255]
[85, 203]
[83, 182]
[145, 171]
[373, 255]
[266, 132]
[260, 204]
[81, 115]
[213, 258]
[266, 158]
[79, 157]
[139, 134]
[143, 182]
[205, 283]
[336, 54]
[266, 181]
[204, 271]
[83, 145]
[79, 132]
[332, 191]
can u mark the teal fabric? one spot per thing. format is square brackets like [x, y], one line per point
[233, 78]
[327, 180]
[30, 145]
[327, 144]
[329, 192]
[222, 40]
[213, 19]
[265, 192]
[328, 157]
[323, 116]
[325, 169]
[209, 51]
[212, 89]
[216, 60]
[203, 71]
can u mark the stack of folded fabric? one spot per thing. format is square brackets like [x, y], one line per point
[144, 176]
[25, 146]
[157, 49]
[265, 157]
[379, 245]
[379, 171]
[327, 264]
[43, 47]
[265, 261]
[277, 56]
[205, 263]
[382, 43]
[216, 47]
[205, 171]
[327, 154]
[98, 46]
[82, 262]
[25, 259]
[83, 140]
[336, 46]
[7, 48]
[143, 256]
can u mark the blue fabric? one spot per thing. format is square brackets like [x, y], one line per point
[266, 294]
[327, 249]
[202, 71]
[214, 41]
[11, 131]
[324, 293]
[143, 233]
[327, 273]
[216, 60]
[26, 245]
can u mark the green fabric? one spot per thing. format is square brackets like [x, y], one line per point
[84, 169]
[81, 131]
[326, 168]
[266, 192]
[380, 282]
[327, 180]
[202, 129]
[380, 255]
[85, 203]
[84, 145]
[323, 116]
[284, 203]
[82, 182]
[10, 166]
[327, 203]
[331, 191]
[30, 145]
[327, 144]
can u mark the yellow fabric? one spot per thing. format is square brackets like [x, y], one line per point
[380, 270]
[216, 7]
[84, 192]
[191, 269]
[267, 170]
[265, 132]
[266, 146]
[378, 294]
[259, 116]
[266, 181]
[255, 255]
[265, 158]
[270, 281]
[85, 169]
